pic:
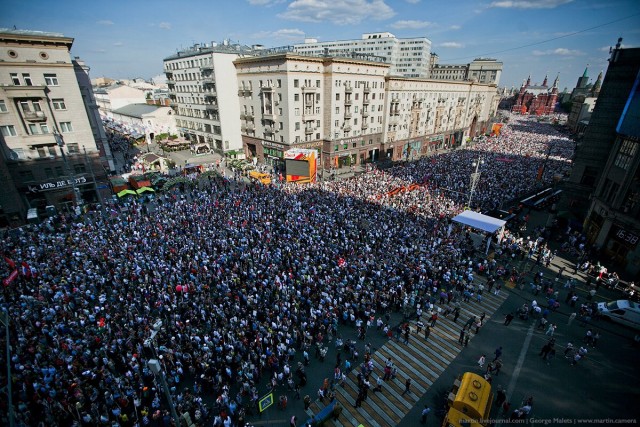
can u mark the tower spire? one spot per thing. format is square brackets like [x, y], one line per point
[585, 71]
[529, 79]
[544, 83]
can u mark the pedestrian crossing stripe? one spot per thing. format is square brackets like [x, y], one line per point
[422, 360]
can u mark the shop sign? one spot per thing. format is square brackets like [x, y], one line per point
[55, 185]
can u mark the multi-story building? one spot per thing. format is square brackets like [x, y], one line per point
[352, 110]
[425, 115]
[481, 70]
[595, 147]
[201, 79]
[332, 104]
[613, 219]
[116, 96]
[408, 57]
[51, 139]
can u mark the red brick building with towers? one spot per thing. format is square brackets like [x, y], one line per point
[538, 100]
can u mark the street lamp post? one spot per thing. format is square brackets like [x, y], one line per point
[5, 322]
[155, 367]
[475, 177]
[76, 194]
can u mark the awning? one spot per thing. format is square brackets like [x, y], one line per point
[125, 192]
[479, 221]
[145, 189]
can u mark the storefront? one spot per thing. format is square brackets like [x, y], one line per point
[60, 193]
[353, 151]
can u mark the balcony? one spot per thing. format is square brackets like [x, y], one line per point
[35, 116]
[265, 88]
[207, 81]
[348, 89]
[206, 68]
[171, 82]
[346, 128]
[367, 89]
[365, 114]
[365, 125]
[210, 96]
[309, 89]
[248, 116]
[243, 91]
[348, 101]
[211, 107]
[269, 129]
[366, 101]
[348, 114]
[250, 126]
[309, 130]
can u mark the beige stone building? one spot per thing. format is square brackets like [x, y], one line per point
[43, 93]
[352, 110]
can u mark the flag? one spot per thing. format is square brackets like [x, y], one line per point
[341, 262]
[11, 263]
[25, 269]
[10, 278]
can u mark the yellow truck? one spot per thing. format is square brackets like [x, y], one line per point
[263, 178]
[469, 402]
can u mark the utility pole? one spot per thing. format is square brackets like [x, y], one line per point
[72, 177]
[475, 177]
[5, 322]
[93, 177]
[155, 367]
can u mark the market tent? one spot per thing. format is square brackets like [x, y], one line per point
[125, 192]
[479, 221]
[145, 189]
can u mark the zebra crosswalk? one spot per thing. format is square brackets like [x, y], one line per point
[422, 360]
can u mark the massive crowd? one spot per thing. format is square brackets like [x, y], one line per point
[229, 284]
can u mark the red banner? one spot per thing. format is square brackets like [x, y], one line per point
[11, 278]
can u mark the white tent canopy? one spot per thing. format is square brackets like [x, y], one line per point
[480, 221]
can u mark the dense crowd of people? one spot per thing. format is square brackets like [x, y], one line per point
[229, 285]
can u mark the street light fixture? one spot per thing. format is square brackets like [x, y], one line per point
[475, 177]
[5, 321]
[72, 177]
[154, 366]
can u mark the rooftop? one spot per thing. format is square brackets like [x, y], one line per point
[29, 33]
[136, 110]
[224, 47]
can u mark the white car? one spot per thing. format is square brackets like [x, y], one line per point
[624, 312]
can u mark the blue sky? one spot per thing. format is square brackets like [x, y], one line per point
[126, 39]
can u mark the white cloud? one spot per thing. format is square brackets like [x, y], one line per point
[104, 22]
[561, 51]
[454, 45]
[529, 4]
[455, 27]
[413, 1]
[606, 48]
[410, 24]
[165, 25]
[339, 12]
[118, 44]
[284, 33]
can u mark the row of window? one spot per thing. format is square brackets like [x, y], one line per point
[58, 171]
[28, 106]
[34, 129]
[25, 79]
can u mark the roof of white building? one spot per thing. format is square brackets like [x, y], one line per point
[136, 110]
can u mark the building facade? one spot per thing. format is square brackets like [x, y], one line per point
[422, 115]
[201, 79]
[613, 218]
[408, 57]
[331, 104]
[481, 70]
[595, 147]
[352, 111]
[146, 119]
[115, 96]
[536, 99]
[51, 142]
